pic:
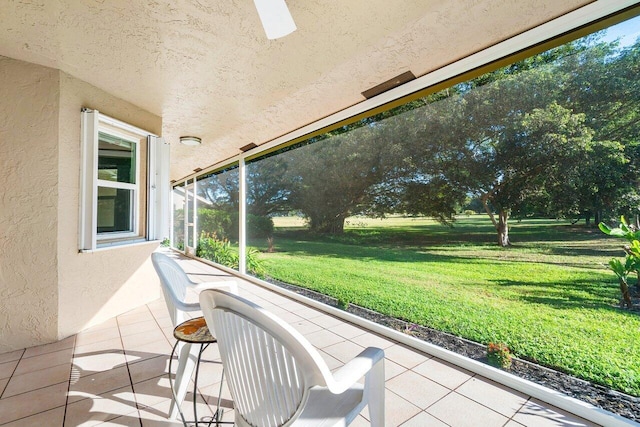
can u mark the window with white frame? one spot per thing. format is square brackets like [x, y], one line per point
[124, 182]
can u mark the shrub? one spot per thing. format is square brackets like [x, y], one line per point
[499, 355]
[257, 226]
[221, 252]
[215, 222]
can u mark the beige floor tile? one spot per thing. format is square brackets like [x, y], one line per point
[289, 317]
[286, 304]
[160, 347]
[343, 351]
[142, 338]
[27, 404]
[3, 384]
[423, 419]
[53, 417]
[209, 373]
[153, 391]
[50, 348]
[417, 389]
[60, 357]
[90, 363]
[396, 410]
[152, 415]
[94, 411]
[372, 340]
[539, 414]
[324, 338]
[392, 369]
[113, 344]
[138, 328]
[279, 300]
[347, 331]
[107, 324]
[164, 322]
[157, 417]
[493, 395]
[305, 327]
[99, 383]
[331, 361]
[136, 315]
[37, 379]
[405, 356]
[308, 313]
[129, 420]
[512, 423]
[210, 394]
[8, 368]
[161, 315]
[150, 368]
[95, 336]
[11, 356]
[360, 421]
[460, 411]
[443, 373]
[326, 321]
[168, 334]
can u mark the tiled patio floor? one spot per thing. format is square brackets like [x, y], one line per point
[114, 374]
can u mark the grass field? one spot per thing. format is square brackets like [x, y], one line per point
[550, 296]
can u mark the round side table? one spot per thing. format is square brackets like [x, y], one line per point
[195, 331]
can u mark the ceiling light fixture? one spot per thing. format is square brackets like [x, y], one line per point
[276, 18]
[190, 140]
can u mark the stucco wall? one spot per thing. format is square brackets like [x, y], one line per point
[28, 204]
[48, 290]
[95, 286]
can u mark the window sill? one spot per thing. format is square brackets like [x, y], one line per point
[116, 244]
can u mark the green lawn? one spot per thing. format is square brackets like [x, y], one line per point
[550, 296]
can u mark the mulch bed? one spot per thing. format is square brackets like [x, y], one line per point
[597, 395]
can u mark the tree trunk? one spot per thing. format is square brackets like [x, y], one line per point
[624, 289]
[501, 224]
[503, 228]
[328, 225]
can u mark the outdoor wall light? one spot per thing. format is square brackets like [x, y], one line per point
[190, 140]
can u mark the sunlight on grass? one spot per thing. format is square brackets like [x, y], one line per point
[550, 296]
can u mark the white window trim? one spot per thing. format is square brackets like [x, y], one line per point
[158, 188]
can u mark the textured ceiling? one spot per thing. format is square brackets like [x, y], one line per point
[208, 69]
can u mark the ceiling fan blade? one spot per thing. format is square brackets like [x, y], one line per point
[276, 18]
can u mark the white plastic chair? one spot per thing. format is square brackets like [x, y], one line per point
[180, 294]
[277, 378]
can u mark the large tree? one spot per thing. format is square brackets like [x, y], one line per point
[341, 174]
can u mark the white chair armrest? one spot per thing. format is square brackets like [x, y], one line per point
[355, 369]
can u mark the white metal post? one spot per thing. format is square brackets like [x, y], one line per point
[242, 218]
[195, 216]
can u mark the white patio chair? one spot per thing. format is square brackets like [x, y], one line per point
[180, 294]
[277, 378]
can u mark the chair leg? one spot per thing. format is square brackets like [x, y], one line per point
[187, 356]
[375, 387]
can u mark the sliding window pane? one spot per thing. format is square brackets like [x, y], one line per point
[114, 210]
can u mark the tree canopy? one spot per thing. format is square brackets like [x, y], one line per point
[556, 134]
